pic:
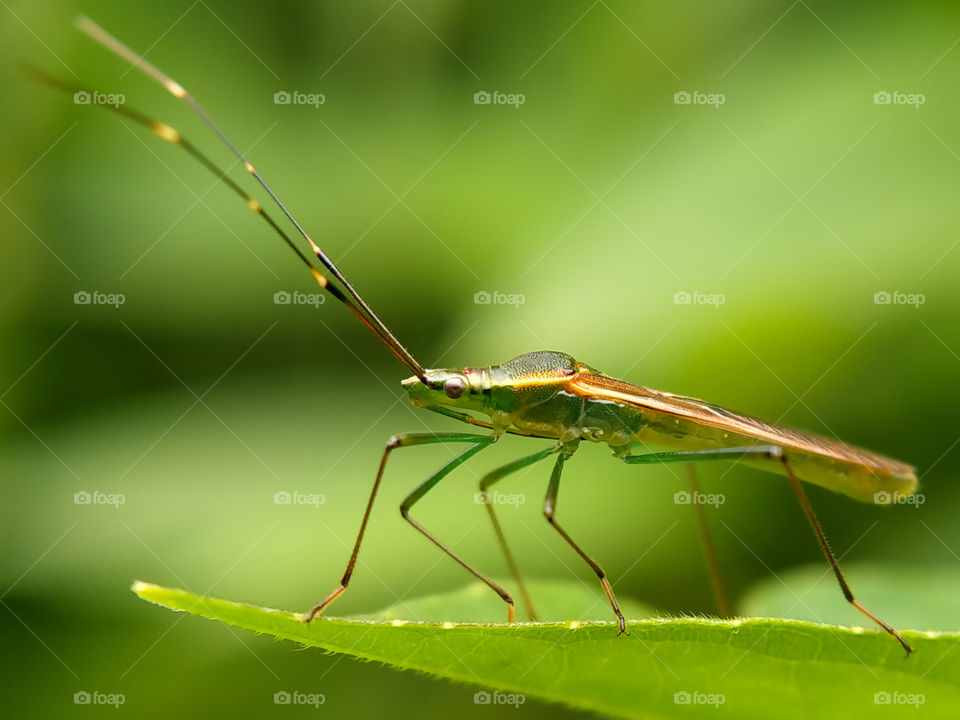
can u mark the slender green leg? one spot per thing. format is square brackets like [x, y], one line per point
[489, 479]
[398, 441]
[710, 555]
[777, 454]
[428, 485]
[549, 511]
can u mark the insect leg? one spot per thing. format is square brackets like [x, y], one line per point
[777, 454]
[489, 479]
[481, 442]
[549, 511]
[822, 539]
[398, 441]
[716, 581]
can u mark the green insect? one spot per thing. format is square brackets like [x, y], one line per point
[552, 395]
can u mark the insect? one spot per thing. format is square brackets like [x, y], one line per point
[553, 396]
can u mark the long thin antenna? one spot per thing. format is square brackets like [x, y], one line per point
[172, 135]
[102, 37]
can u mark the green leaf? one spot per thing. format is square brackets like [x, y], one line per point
[668, 667]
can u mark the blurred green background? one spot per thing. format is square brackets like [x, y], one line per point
[598, 199]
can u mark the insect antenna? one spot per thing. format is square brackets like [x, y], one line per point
[351, 298]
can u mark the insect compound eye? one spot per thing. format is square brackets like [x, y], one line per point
[455, 387]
